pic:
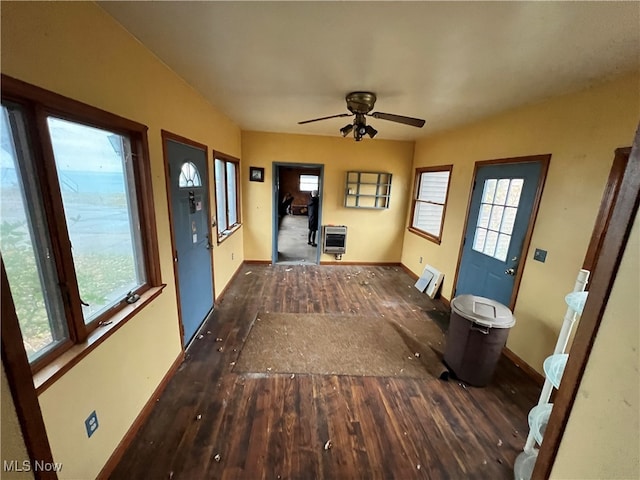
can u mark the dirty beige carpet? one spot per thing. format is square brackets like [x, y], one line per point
[340, 345]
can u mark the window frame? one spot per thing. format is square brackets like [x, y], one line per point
[226, 233]
[36, 105]
[416, 188]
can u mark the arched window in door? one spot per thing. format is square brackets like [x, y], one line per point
[189, 176]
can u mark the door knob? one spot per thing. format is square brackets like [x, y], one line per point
[510, 271]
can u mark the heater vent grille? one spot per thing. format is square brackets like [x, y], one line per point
[334, 239]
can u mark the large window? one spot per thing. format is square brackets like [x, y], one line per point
[308, 183]
[227, 196]
[77, 229]
[429, 201]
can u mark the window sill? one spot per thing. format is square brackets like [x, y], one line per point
[422, 234]
[227, 233]
[47, 376]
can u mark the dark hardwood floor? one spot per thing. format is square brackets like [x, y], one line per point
[211, 423]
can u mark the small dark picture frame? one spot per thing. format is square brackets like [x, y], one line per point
[256, 174]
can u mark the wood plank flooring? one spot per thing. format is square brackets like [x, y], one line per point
[211, 423]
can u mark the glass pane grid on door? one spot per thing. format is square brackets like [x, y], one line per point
[496, 219]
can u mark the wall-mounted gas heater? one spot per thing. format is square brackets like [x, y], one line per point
[334, 239]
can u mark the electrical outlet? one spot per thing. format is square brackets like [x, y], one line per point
[420, 259]
[540, 255]
[91, 423]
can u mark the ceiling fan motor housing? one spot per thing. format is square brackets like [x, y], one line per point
[360, 102]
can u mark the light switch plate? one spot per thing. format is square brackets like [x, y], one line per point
[540, 255]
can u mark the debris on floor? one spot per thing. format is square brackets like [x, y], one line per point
[220, 349]
[200, 336]
[217, 458]
[328, 445]
[249, 272]
[198, 417]
[418, 466]
[417, 354]
[293, 375]
[218, 339]
[499, 442]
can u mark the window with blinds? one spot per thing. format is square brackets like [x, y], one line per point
[429, 201]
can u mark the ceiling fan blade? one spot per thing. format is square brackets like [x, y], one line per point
[326, 118]
[414, 122]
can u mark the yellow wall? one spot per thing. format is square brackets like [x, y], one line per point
[338, 155]
[581, 132]
[12, 447]
[601, 439]
[77, 50]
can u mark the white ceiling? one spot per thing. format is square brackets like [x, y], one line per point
[268, 65]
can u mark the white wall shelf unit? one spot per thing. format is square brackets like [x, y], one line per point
[367, 190]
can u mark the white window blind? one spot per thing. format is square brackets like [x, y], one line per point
[430, 201]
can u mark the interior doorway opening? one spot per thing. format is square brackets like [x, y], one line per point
[292, 192]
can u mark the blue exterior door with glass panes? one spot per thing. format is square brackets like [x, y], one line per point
[501, 205]
[191, 234]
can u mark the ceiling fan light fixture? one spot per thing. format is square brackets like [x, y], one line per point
[346, 129]
[360, 105]
[372, 132]
[359, 131]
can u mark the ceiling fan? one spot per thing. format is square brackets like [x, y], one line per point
[360, 104]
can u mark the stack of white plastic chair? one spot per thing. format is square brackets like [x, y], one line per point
[553, 369]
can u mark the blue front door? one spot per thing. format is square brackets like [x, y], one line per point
[190, 226]
[499, 216]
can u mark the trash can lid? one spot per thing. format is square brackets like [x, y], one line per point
[483, 311]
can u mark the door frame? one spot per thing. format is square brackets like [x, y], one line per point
[614, 181]
[166, 135]
[275, 203]
[544, 168]
[622, 212]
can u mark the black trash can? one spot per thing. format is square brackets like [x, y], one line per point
[478, 331]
